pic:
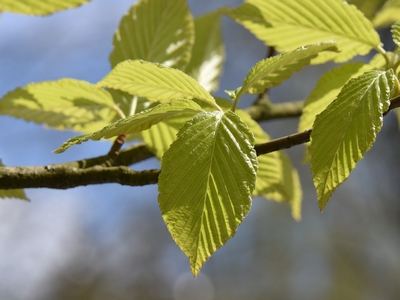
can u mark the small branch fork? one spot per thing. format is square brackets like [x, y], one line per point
[113, 167]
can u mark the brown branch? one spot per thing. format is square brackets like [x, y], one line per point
[394, 103]
[116, 147]
[264, 110]
[302, 137]
[65, 178]
[96, 171]
[126, 157]
[283, 142]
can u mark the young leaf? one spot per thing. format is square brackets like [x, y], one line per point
[294, 23]
[276, 178]
[250, 17]
[159, 137]
[396, 33]
[368, 8]
[63, 104]
[129, 104]
[273, 71]
[137, 122]
[155, 82]
[347, 129]
[208, 52]
[206, 181]
[14, 193]
[157, 31]
[288, 188]
[38, 7]
[388, 14]
[326, 90]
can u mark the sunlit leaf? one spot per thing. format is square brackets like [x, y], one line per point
[276, 178]
[38, 7]
[273, 71]
[137, 122]
[208, 52]
[63, 104]
[378, 61]
[155, 82]
[206, 182]
[293, 23]
[128, 103]
[388, 14]
[251, 18]
[368, 8]
[12, 194]
[155, 30]
[326, 90]
[347, 129]
[396, 33]
[159, 137]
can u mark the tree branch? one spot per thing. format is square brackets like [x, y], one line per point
[65, 177]
[283, 142]
[98, 170]
[264, 110]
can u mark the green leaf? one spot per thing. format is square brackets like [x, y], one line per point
[273, 71]
[129, 104]
[288, 189]
[347, 129]
[208, 52]
[396, 33]
[157, 31]
[160, 136]
[14, 193]
[293, 23]
[137, 122]
[206, 181]
[326, 90]
[250, 17]
[388, 14]
[378, 61]
[276, 178]
[397, 111]
[155, 82]
[63, 104]
[368, 8]
[38, 7]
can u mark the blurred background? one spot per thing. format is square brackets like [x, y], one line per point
[110, 242]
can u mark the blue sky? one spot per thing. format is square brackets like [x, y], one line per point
[88, 220]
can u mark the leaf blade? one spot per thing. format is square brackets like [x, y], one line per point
[203, 202]
[326, 90]
[396, 33]
[62, 104]
[136, 123]
[277, 179]
[333, 156]
[38, 7]
[208, 52]
[388, 14]
[273, 71]
[157, 31]
[294, 23]
[155, 82]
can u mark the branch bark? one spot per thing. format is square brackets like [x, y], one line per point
[101, 169]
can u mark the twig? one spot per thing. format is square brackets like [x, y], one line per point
[65, 178]
[95, 171]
